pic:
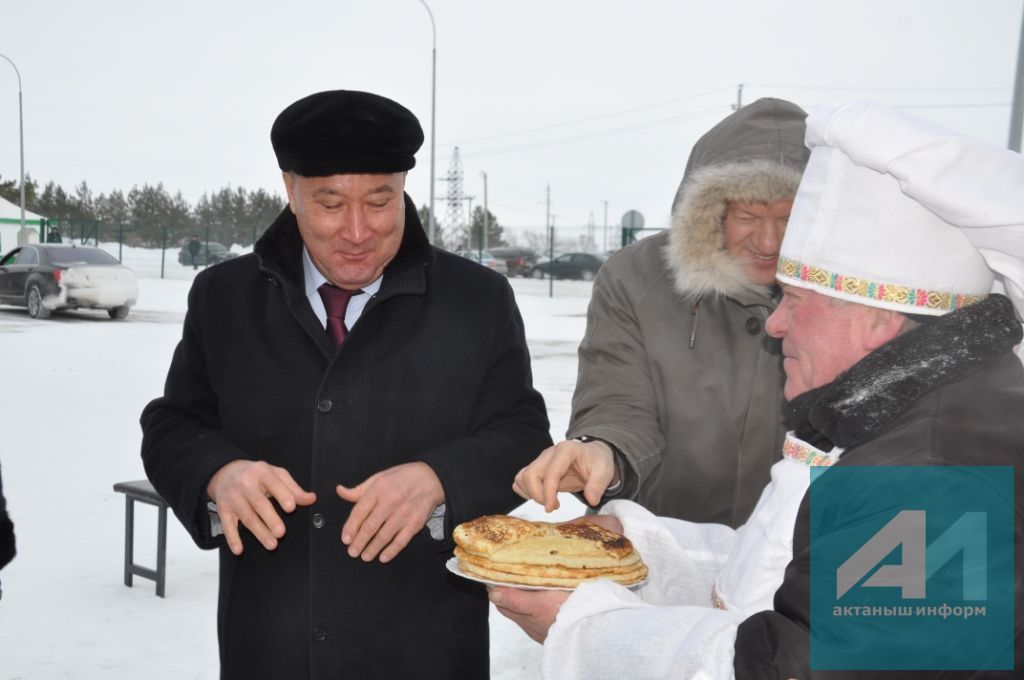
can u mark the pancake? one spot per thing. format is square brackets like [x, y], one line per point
[517, 551]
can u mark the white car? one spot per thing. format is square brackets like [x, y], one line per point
[46, 277]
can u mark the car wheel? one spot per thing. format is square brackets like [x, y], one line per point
[587, 275]
[538, 274]
[118, 312]
[34, 302]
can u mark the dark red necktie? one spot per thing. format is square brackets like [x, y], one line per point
[336, 303]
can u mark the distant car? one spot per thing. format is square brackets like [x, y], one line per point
[569, 266]
[218, 253]
[49, 277]
[488, 260]
[520, 261]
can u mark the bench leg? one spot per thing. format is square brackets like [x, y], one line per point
[129, 538]
[161, 551]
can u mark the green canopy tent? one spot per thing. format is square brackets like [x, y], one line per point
[10, 225]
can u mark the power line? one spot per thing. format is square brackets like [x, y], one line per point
[607, 132]
[879, 88]
[602, 116]
[980, 105]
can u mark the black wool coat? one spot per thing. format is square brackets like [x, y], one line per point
[436, 370]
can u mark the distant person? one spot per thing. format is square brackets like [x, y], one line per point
[904, 392]
[53, 235]
[194, 246]
[7, 546]
[678, 400]
[346, 395]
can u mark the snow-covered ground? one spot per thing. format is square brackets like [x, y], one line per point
[72, 390]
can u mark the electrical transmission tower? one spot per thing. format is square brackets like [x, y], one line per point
[454, 232]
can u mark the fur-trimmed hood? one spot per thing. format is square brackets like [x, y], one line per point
[757, 154]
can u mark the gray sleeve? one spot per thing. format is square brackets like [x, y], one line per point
[615, 398]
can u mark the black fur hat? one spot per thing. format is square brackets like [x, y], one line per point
[345, 131]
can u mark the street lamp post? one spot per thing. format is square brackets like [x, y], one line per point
[21, 139]
[433, 116]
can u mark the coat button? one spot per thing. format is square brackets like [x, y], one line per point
[319, 634]
[753, 325]
[324, 405]
[318, 521]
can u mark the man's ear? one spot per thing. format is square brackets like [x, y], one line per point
[289, 187]
[883, 326]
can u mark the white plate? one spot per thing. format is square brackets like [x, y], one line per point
[453, 566]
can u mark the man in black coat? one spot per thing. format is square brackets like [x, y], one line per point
[340, 400]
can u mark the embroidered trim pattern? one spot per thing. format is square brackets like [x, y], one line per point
[872, 290]
[802, 452]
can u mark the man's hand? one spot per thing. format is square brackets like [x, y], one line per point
[532, 610]
[241, 490]
[568, 466]
[390, 507]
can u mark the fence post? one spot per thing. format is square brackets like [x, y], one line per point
[120, 242]
[163, 251]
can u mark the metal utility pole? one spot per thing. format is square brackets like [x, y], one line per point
[739, 98]
[605, 248]
[433, 118]
[21, 138]
[1017, 111]
[551, 247]
[486, 227]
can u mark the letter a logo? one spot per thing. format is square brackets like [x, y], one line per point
[907, 531]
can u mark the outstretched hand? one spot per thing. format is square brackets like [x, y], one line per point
[571, 466]
[390, 507]
[242, 489]
[532, 610]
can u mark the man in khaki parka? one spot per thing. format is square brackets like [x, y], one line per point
[678, 401]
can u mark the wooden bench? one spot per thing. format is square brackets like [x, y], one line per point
[143, 492]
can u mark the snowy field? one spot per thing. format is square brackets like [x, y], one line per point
[74, 386]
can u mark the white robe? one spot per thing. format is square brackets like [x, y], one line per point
[670, 627]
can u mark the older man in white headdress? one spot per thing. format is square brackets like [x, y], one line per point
[903, 278]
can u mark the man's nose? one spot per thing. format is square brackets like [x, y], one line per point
[357, 227]
[769, 237]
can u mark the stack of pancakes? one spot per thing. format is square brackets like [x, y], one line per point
[516, 551]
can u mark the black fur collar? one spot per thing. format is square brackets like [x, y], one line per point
[858, 404]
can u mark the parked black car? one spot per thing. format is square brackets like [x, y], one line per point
[520, 261]
[218, 253]
[48, 277]
[569, 266]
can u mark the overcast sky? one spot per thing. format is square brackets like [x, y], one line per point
[600, 99]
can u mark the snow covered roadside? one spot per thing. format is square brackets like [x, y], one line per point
[73, 390]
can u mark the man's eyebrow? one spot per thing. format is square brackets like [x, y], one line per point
[330, 191]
